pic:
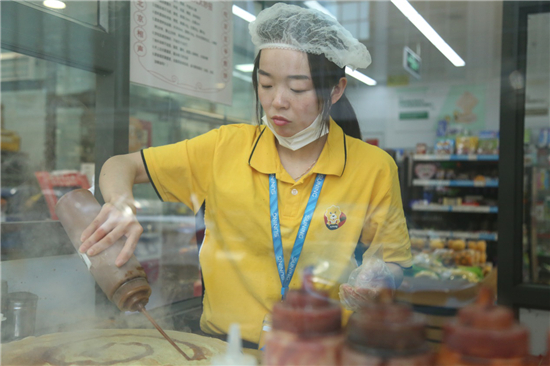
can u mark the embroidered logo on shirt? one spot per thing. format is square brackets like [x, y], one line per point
[334, 217]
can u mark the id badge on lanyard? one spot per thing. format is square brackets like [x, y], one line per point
[286, 276]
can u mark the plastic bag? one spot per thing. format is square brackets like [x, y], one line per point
[366, 281]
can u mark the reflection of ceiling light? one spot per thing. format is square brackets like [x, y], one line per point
[54, 4]
[243, 77]
[241, 13]
[317, 6]
[428, 31]
[360, 76]
[245, 67]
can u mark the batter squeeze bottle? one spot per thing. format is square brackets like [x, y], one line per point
[126, 286]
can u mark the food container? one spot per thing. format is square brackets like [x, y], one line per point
[306, 330]
[20, 315]
[484, 334]
[386, 333]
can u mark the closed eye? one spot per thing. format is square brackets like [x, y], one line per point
[298, 91]
[266, 86]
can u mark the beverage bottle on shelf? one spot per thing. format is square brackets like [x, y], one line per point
[386, 333]
[484, 334]
[306, 330]
[126, 286]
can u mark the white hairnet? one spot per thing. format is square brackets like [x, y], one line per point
[308, 30]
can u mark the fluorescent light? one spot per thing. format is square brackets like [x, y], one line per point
[241, 13]
[428, 31]
[317, 6]
[245, 67]
[243, 77]
[54, 4]
[360, 76]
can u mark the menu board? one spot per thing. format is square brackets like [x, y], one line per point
[183, 47]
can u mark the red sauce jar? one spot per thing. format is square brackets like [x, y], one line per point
[484, 334]
[306, 330]
[386, 333]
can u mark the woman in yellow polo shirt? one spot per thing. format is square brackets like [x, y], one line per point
[299, 189]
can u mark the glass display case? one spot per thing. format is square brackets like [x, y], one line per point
[524, 161]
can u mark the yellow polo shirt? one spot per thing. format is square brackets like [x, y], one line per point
[229, 169]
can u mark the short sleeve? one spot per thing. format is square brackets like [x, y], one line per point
[181, 172]
[385, 223]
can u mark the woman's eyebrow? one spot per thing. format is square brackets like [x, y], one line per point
[294, 77]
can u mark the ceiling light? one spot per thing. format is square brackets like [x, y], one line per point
[241, 13]
[245, 67]
[360, 76]
[317, 6]
[428, 31]
[238, 75]
[54, 4]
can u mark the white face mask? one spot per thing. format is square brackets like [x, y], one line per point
[299, 139]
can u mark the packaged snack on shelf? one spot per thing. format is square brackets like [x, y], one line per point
[421, 148]
[466, 145]
[418, 243]
[488, 143]
[444, 146]
[466, 257]
[456, 244]
[445, 256]
[437, 243]
[425, 171]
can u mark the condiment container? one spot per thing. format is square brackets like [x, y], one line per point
[20, 314]
[484, 334]
[386, 333]
[125, 286]
[306, 330]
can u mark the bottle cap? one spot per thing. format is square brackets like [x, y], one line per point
[234, 355]
[486, 330]
[308, 314]
[131, 294]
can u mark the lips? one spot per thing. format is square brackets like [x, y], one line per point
[279, 121]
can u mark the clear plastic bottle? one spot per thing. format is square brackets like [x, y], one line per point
[306, 330]
[386, 333]
[125, 286]
[484, 334]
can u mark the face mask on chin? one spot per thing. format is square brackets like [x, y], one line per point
[299, 139]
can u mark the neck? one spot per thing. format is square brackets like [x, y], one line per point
[297, 162]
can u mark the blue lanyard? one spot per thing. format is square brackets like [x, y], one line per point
[302, 232]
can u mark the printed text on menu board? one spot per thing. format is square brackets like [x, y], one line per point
[183, 47]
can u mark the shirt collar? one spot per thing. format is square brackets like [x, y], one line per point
[332, 161]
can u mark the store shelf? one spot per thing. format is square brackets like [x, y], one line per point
[455, 157]
[458, 208]
[454, 234]
[455, 183]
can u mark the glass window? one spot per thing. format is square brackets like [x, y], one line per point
[83, 11]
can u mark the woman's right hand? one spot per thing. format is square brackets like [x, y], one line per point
[114, 221]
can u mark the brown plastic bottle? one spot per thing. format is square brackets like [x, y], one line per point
[386, 333]
[125, 286]
[306, 330]
[484, 334]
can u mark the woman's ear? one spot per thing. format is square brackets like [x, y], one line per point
[338, 90]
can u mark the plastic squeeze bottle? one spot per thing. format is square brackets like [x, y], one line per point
[125, 286]
[386, 333]
[234, 355]
[306, 330]
[484, 334]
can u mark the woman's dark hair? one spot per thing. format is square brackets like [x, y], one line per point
[325, 76]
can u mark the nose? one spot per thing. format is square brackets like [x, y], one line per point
[280, 99]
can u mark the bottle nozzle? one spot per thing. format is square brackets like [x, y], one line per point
[234, 354]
